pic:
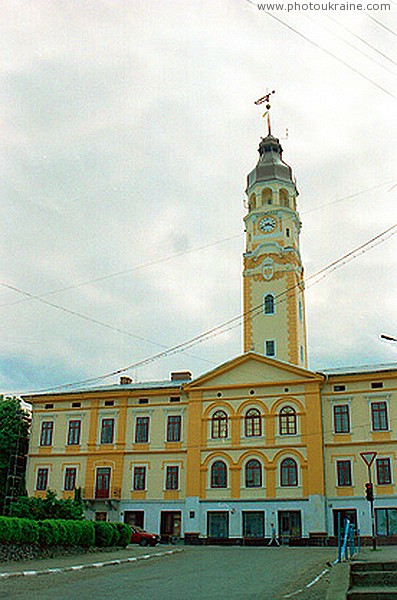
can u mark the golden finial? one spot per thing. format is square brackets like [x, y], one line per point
[266, 98]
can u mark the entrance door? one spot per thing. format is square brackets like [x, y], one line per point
[102, 485]
[254, 524]
[289, 524]
[170, 524]
[347, 513]
[218, 524]
[134, 517]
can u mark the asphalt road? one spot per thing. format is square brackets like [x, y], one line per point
[208, 572]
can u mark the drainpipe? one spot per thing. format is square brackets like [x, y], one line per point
[324, 456]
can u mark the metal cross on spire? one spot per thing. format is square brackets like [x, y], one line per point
[266, 98]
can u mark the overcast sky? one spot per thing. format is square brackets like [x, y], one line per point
[127, 132]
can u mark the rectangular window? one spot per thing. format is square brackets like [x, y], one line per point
[139, 478]
[383, 471]
[74, 433]
[270, 348]
[172, 478]
[102, 483]
[42, 479]
[107, 431]
[218, 524]
[379, 416]
[376, 384]
[341, 418]
[343, 468]
[174, 428]
[47, 429]
[339, 388]
[70, 479]
[386, 521]
[142, 430]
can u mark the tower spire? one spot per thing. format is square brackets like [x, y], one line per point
[266, 98]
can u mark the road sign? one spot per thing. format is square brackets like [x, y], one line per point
[368, 457]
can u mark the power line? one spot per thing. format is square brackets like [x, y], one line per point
[231, 322]
[361, 39]
[119, 273]
[29, 296]
[375, 187]
[339, 37]
[303, 36]
[380, 24]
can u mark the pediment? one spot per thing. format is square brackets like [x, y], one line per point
[251, 368]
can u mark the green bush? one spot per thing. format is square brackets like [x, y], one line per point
[87, 537]
[124, 534]
[49, 507]
[104, 533]
[5, 530]
[15, 531]
[116, 535]
[49, 533]
[29, 531]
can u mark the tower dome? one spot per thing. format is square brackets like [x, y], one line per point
[270, 166]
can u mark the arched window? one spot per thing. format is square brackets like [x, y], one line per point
[287, 421]
[219, 424]
[252, 202]
[253, 422]
[284, 199]
[219, 474]
[289, 472]
[267, 196]
[253, 474]
[268, 304]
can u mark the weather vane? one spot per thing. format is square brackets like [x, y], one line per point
[266, 98]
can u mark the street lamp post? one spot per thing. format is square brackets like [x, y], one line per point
[368, 458]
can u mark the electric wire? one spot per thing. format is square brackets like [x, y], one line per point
[380, 24]
[361, 39]
[328, 52]
[124, 272]
[29, 296]
[235, 321]
[339, 37]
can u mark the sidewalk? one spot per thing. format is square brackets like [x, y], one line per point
[339, 575]
[61, 564]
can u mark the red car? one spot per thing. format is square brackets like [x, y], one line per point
[142, 537]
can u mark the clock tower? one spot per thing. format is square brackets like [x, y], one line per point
[273, 286]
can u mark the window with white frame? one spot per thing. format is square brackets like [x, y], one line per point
[172, 478]
[270, 348]
[139, 482]
[42, 478]
[69, 483]
[269, 304]
[219, 425]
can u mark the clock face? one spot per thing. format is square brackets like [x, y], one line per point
[267, 224]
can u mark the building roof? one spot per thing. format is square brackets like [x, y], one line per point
[144, 385]
[359, 370]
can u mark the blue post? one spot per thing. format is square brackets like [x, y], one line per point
[339, 538]
[351, 539]
[358, 541]
[345, 539]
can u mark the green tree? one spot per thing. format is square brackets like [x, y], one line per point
[14, 436]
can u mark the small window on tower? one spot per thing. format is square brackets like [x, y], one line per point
[268, 304]
[287, 232]
[270, 348]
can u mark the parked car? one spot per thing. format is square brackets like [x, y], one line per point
[142, 537]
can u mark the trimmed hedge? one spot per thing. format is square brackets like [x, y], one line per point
[124, 534]
[104, 533]
[63, 532]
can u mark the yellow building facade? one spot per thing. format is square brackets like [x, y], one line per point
[258, 444]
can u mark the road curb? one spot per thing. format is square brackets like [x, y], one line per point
[96, 565]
